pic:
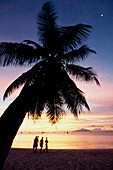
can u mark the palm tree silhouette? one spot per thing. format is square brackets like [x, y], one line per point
[47, 85]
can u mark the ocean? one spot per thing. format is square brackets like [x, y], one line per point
[67, 140]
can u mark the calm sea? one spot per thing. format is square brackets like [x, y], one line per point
[70, 140]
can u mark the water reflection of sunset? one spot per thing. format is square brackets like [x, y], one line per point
[63, 136]
[64, 140]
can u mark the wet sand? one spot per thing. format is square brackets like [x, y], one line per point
[90, 159]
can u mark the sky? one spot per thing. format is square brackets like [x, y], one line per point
[18, 21]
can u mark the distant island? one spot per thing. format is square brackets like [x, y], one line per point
[83, 130]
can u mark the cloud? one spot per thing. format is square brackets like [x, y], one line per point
[100, 126]
[97, 129]
[82, 130]
[103, 107]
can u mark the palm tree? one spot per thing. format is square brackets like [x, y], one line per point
[48, 84]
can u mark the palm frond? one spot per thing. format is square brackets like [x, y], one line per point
[35, 91]
[73, 96]
[43, 52]
[29, 77]
[77, 55]
[54, 113]
[30, 95]
[54, 100]
[18, 54]
[36, 45]
[82, 73]
[72, 36]
[16, 84]
[37, 107]
[47, 27]
[45, 91]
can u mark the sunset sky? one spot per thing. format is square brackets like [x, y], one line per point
[18, 22]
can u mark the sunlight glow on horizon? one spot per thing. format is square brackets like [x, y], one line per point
[68, 123]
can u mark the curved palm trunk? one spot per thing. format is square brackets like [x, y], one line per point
[10, 122]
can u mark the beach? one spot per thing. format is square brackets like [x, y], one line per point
[60, 159]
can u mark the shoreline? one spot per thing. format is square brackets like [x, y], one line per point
[58, 159]
[63, 149]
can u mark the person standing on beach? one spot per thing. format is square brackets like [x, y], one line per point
[41, 144]
[46, 145]
[35, 144]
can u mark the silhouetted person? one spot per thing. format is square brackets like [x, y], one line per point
[46, 145]
[35, 144]
[41, 144]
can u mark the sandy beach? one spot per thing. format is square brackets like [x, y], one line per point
[25, 159]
